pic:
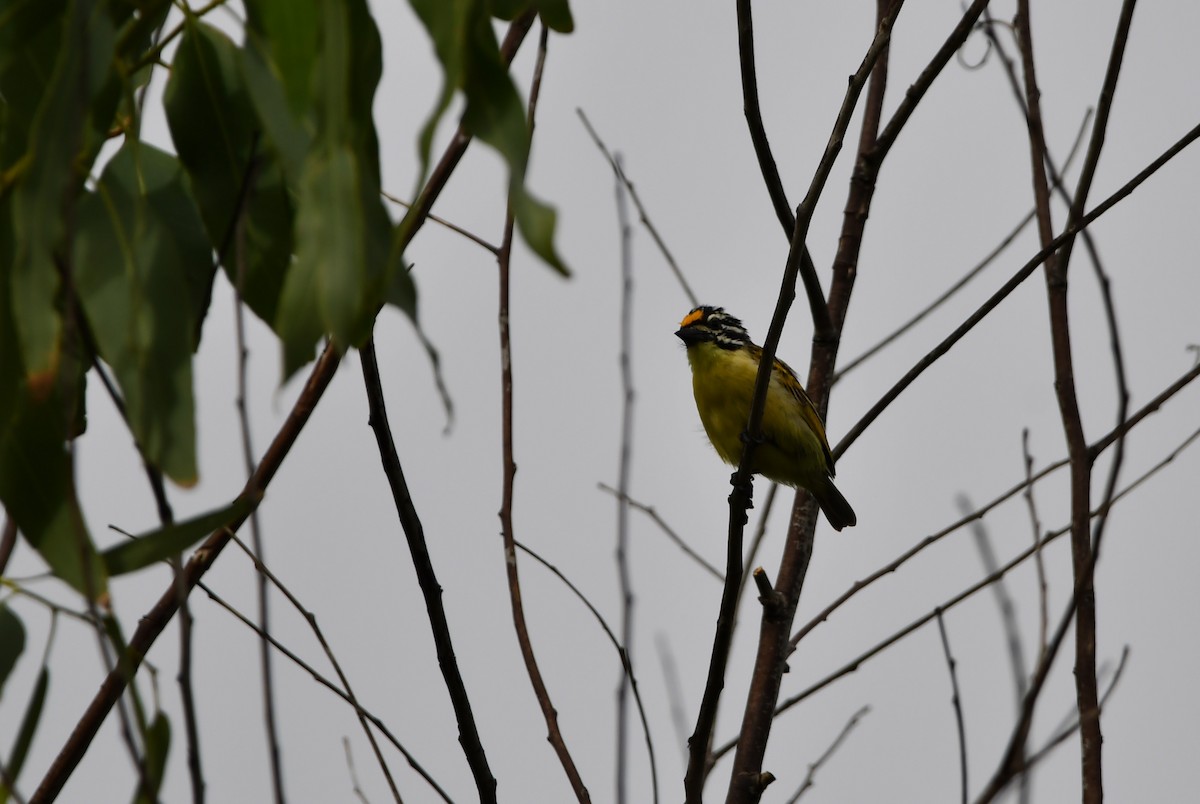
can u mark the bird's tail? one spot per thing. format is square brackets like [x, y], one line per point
[834, 506]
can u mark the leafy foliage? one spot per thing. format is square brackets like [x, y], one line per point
[275, 178]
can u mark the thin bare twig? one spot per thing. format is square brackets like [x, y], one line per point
[154, 621]
[811, 776]
[643, 216]
[956, 702]
[760, 533]
[355, 787]
[970, 591]
[1084, 549]
[962, 282]
[622, 654]
[431, 590]
[818, 310]
[652, 512]
[549, 713]
[626, 452]
[673, 684]
[243, 355]
[1099, 446]
[311, 619]
[1015, 281]
[1036, 525]
[329, 685]
[1066, 731]
[474, 238]
[1008, 609]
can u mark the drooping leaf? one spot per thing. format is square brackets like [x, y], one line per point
[471, 63]
[29, 724]
[29, 46]
[12, 642]
[140, 254]
[216, 133]
[211, 122]
[158, 744]
[336, 285]
[171, 540]
[80, 69]
[287, 34]
[289, 134]
[36, 476]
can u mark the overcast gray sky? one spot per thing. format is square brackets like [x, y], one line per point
[660, 82]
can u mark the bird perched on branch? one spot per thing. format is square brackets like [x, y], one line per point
[793, 450]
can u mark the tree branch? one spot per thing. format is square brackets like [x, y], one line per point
[431, 590]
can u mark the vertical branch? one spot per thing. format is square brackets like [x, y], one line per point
[1043, 589]
[1008, 609]
[1083, 551]
[186, 690]
[810, 777]
[770, 171]
[643, 216]
[747, 781]
[623, 479]
[414, 534]
[956, 700]
[510, 470]
[268, 685]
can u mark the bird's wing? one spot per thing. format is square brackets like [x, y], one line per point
[787, 378]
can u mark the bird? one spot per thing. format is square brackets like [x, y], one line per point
[793, 450]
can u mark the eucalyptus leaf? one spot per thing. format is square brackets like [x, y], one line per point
[36, 475]
[158, 745]
[170, 541]
[29, 724]
[143, 269]
[81, 65]
[232, 168]
[466, 45]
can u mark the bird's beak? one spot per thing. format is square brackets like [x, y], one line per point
[690, 335]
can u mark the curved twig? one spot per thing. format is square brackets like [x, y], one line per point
[1020, 276]
[622, 654]
[431, 590]
[549, 713]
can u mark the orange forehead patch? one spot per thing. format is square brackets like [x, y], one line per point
[692, 317]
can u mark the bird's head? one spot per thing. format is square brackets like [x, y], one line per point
[712, 325]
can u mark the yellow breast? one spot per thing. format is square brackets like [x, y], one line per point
[723, 383]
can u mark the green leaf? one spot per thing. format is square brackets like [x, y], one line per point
[336, 285]
[158, 744]
[172, 540]
[141, 260]
[211, 122]
[38, 198]
[286, 33]
[290, 136]
[471, 62]
[216, 133]
[12, 642]
[556, 14]
[30, 37]
[36, 475]
[29, 724]
[536, 222]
